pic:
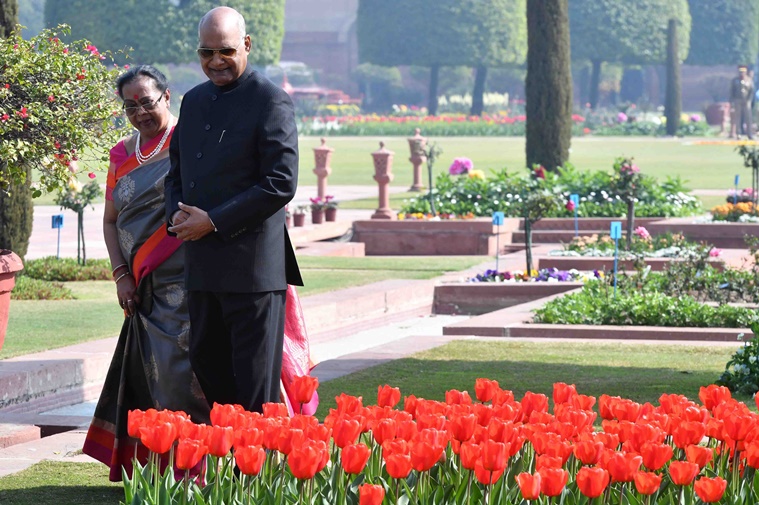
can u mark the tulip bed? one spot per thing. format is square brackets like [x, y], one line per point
[492, 449]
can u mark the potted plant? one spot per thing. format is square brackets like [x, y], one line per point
[299, 216]
[10, 263]
[718, 112]
[318, 206]
[330, 209]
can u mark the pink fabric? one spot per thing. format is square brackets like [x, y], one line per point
[118, 155]
[296, 356]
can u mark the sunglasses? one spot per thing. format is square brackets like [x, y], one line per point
[134, 109]
[207, 53]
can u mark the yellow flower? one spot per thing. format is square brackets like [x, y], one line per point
[477, 174]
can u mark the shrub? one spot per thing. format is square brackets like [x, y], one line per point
[28, 288]
[51, 268]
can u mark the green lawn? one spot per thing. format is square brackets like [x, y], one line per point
[704, 166]
[639, 372]
[35, 326]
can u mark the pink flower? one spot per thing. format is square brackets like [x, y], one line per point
[622, 117]
[586, 130]
[460, 166]
[7, 86]
[65, 50]
[714, 252]
[540, 172]
[91, 175]
[632, 169]
[570, 206]
[126, 67]
[51, 98]
[4, 118]
[15, 46]
[641, 232]
[23, 113]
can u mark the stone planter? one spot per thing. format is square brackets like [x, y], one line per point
[718, 114]
[330, 214]
[10, 263]
[299, 220]
[317, 216]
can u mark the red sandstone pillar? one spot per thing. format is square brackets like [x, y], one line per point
[383, 174]
[322, 157]
[417, 145]
[10, 263]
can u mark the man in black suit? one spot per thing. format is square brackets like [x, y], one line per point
[234, 167]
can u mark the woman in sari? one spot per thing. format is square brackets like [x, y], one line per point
[151, 366]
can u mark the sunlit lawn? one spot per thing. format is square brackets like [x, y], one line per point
[45, 324]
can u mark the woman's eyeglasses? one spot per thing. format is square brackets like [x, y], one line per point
[134, 109]
[207, 53]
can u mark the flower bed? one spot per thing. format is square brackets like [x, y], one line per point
[497, 450]
[542, 275]
[504, 192]
[667, 245]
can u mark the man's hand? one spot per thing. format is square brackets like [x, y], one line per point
[179, 217]
[195, 226]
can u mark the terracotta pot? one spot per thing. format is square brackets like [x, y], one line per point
[718, 114]
[10, 263]
[317, 216]
[330, 214]
[299, 220]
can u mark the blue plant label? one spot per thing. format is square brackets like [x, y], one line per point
[616, 230]
[57, 221]
[737, 178]
[575, 199]
[498, 218]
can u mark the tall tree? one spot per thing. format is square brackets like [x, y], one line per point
[169, 33]
[673, 102]
[8, 16]
[548, 85]
[728, 32]
[16, 207]
[624, 31]
[441, 33]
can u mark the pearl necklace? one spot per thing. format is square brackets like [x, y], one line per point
[141, 158]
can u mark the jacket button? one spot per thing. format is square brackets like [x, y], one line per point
[192, 184]
[199, 155]
[208, 127]
[214, 97]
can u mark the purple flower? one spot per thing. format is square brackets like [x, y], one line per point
[621, 117]
[460, 166]
[695, 118]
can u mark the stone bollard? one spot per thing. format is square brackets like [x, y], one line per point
[322, 157]
[417, 145]
[383, 174]
[10, 264]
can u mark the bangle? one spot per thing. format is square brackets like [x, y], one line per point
[121, 277]
[113, 272]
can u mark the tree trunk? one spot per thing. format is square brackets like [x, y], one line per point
[478, 99]
[673, 104]
[528, 244]
[434, 81]
[548, 85]
[8, 18]
[630, 222]
[595, 83]
[79, 220]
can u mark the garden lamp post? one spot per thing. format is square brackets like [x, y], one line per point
[322, 157]
[383, 174]
[417, 145]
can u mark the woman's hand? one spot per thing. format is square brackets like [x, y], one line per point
[126, 291]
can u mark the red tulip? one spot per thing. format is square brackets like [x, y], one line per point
[710, 490]
[456, 397]
[225, 415]
[647, 483]
[485, 476]
[220, 440]
[370, 494]
[304, 387]
[159, 437]
[274, 410]
[655, 456]
[592, 482]
[461, 427]
[388, 396]
[588, 451]
[713, 395]
[485, 389]
[738, 425]
[563, 393]
[398, 465]
[424, 455]
[532, 402]
[248, 436]
[304, 460]
[494, 455]
[354, 458]
[682, 473]
[250, 459]
[288, 439]
[134, 422]
[189, 453]
[553, 480]
[688, 433]
[699, 455]
[623, 466]
[346, 431]
[469, 454]
[529, 485]
[752, 453]
[347, 404]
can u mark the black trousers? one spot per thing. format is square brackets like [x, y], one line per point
[236, 346]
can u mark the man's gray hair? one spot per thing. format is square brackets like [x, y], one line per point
[240, 20]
